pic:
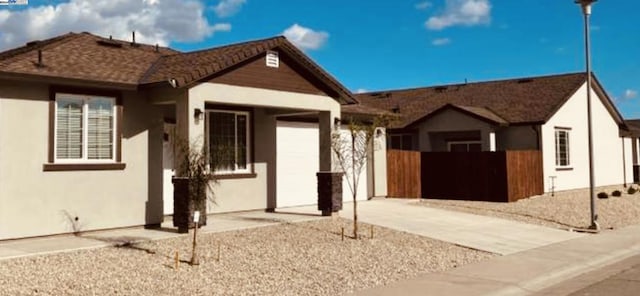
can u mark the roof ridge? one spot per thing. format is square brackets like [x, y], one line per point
[225, 46]
[470, 83]
[139, 44]
[39, 44]
[199, 70]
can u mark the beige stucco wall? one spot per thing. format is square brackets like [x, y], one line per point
[259, 192]
[607, 148]
[34, 202]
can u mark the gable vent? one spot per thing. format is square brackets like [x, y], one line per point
[273, 60]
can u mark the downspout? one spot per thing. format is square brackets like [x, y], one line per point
[373, 166]
[624, 165]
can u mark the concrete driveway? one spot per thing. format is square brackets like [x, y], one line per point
[499, 236]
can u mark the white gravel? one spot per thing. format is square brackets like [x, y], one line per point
[567, 209]
[290, 259]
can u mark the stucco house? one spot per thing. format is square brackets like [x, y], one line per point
[546, 113]
[86, 129]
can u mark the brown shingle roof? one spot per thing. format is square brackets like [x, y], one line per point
[87, 57]
[516, 101]
[84, 56]
[187, 68]
[634, 127]
[191, 66]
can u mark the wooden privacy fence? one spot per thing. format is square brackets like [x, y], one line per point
[503, 176]
[403, 174]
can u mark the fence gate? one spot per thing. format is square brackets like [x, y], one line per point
[403, 174]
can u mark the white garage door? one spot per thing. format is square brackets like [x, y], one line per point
[297, 163]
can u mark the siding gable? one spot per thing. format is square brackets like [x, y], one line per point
[287, 77]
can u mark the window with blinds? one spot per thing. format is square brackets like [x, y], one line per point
[228, 136]
[562, 147]
[85, 128]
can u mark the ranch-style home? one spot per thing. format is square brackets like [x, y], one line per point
[546, 114]
[87, 127]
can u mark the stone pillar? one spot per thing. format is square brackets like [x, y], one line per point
[329, 192]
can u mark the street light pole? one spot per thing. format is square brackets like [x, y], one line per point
[586, 11]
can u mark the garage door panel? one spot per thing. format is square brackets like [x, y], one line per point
[297, 163]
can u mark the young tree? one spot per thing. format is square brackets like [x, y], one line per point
[352, 148]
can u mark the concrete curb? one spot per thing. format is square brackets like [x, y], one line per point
[558, 276]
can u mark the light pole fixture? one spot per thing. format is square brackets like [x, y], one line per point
[586, 11]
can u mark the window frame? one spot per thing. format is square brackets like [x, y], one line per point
[235, 173]
[556, 132]
[401, 137]
[54, 164]
[467, 143]
[85, 130]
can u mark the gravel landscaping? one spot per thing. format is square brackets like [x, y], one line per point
[290, 259]
[565, 210]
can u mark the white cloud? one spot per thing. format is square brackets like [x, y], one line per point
[306, 38]
[630, 94]
[226, 8]
[155, 21]
[461, 12]
[423, 5]
[441, 41]
[361, 90]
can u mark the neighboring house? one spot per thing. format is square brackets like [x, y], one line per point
[86, 129]
[546, 113]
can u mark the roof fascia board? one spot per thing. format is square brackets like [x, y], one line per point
[67, 81]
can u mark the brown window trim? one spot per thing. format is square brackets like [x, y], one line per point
[58, 167]
[55, 89]
[564, 169]
[250, 110]
[236, 176]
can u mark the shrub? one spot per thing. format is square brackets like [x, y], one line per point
[616, 193]
[632, 190]
[603, 195]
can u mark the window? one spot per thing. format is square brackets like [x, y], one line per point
[401, 142]
[562, 148]
[228, 140]
[473, 146]
[84, 129]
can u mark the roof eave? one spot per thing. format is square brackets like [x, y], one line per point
[67, 80]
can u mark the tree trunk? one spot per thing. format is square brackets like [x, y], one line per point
[355, 188]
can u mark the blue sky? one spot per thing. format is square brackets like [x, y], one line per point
[374, 45]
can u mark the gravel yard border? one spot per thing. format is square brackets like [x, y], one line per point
[306, 258]
[565, 210]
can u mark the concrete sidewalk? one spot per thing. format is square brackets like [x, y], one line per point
[494, 235]
[99, 239]
[524, 273]
[478, 232]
